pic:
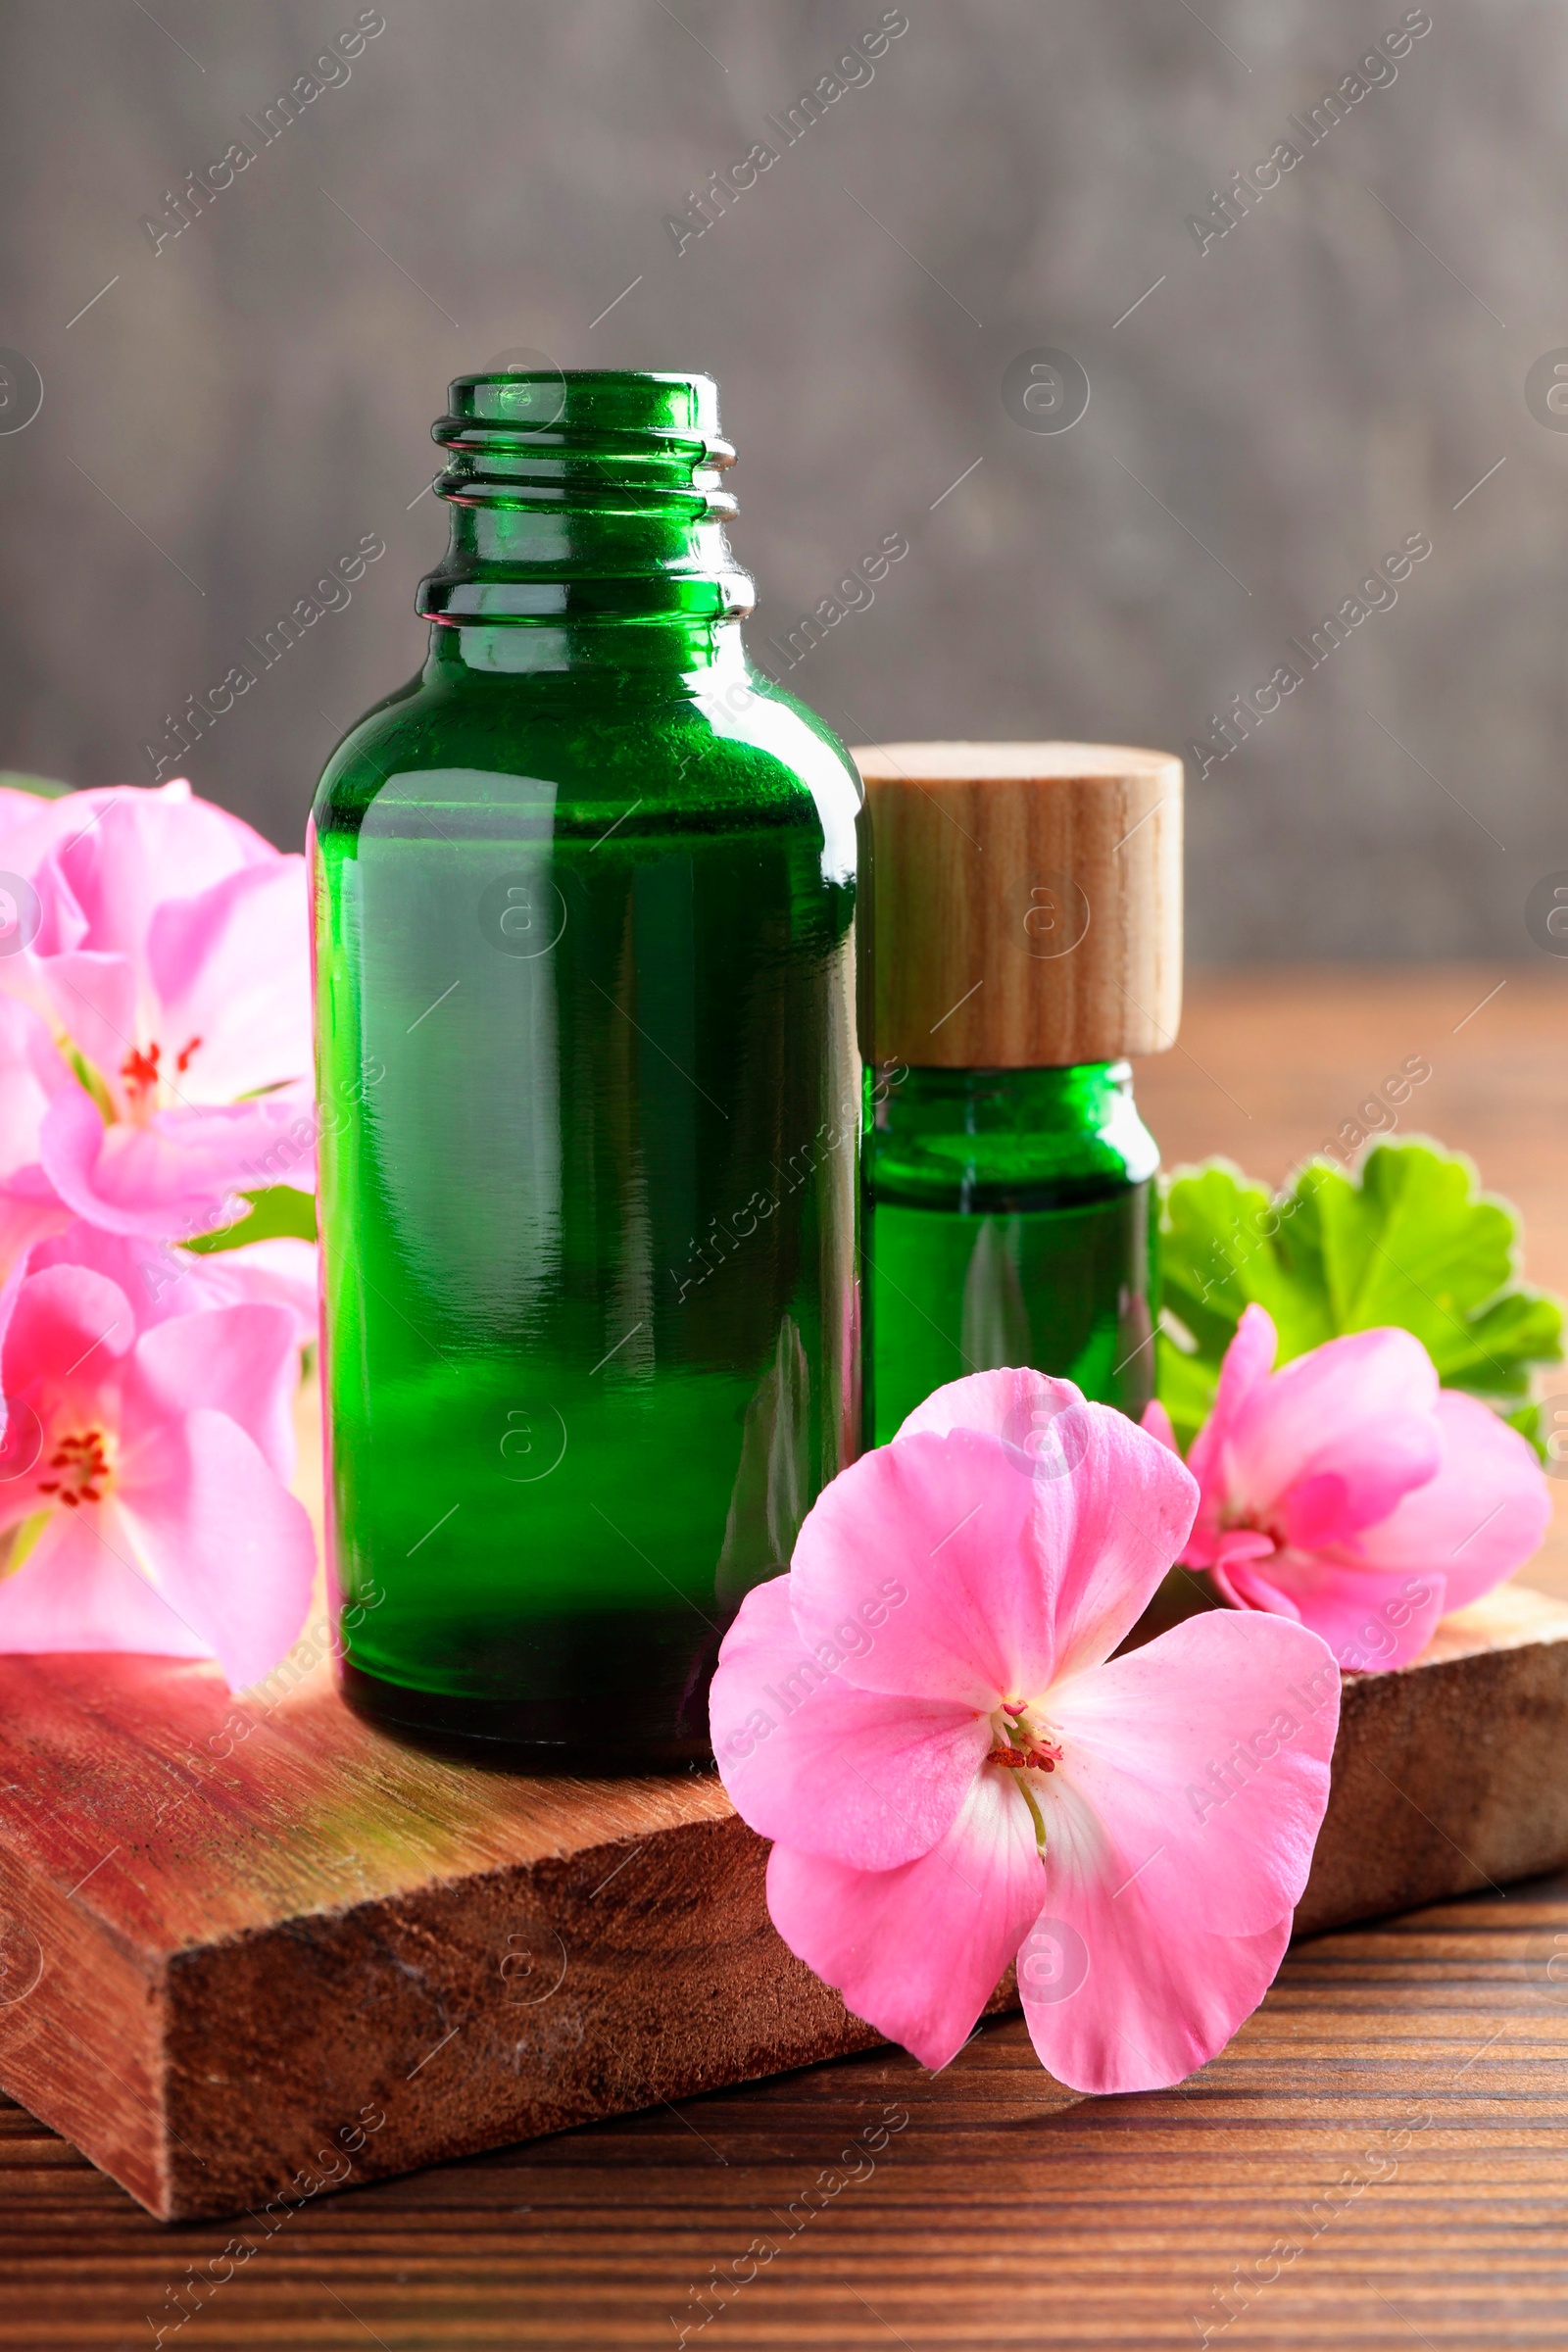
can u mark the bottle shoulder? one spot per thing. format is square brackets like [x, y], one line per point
[996, 1140]
[743, 751]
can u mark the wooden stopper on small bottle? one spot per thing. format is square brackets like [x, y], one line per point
[1026, 903]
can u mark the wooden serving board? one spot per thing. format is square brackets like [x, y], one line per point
[250, 1948]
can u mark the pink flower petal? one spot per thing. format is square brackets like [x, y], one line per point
[1201, 1765]
[929, 1543]
[67, 1320]
[1150, 2007]
[18, 815]
[122, 851]
[870, 1780]
[173, 1178]
[918, 1951]
[1248, 1363]
[1481, 1517]
[30, 1211]
[1315, 1412]
[1194, 1781]
[19, 1431]
[231, 968]
[1010, 1404]
[1157, 1421]
[25, 1046]
[1227, 1561]
[220, 1537]
[285, 1272]
[92, 998]
[1014, 1575]
[239, 1360]
[79, 1591]
[162, 1280]
[1245, 1580]
[1362, 1479]
[1370, 1620]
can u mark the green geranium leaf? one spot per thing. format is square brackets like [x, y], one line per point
[1526, 1419]
[277, 1209]
[1408, 1240]
[45, 787]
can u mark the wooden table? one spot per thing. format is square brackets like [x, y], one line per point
[1380, 2158]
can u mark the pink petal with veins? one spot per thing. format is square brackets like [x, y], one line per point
[918, 1951]
[869, 1780]
[1017, 1564]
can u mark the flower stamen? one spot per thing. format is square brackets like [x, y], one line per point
[1043, 1758]
[139, 1070]
[143, 1075]
[83, 1463]
[1020, 1743]
[1023, 1747]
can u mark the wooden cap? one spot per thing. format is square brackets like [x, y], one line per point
[1026, 903]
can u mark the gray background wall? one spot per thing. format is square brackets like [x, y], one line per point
[241, 405]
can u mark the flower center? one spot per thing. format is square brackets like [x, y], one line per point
[142, 1075]
[1241, 1518]
[78, 1468]
[1020, 1743]
[1023, 1744]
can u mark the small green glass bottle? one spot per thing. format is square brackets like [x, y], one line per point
[1009, 1219]
[589, 1099]
[1027, 938]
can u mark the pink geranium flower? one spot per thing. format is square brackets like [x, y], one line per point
[143, 1494]
[926, 1717]
[156, 1044]
[1353, 1492]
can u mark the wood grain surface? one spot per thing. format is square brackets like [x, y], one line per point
[1379, 2159]
[233, 1929]
[1027, 902]
[254, 1952]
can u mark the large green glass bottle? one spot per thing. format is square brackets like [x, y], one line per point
[584, 912]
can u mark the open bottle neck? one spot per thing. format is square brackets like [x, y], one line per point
[587, 526]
